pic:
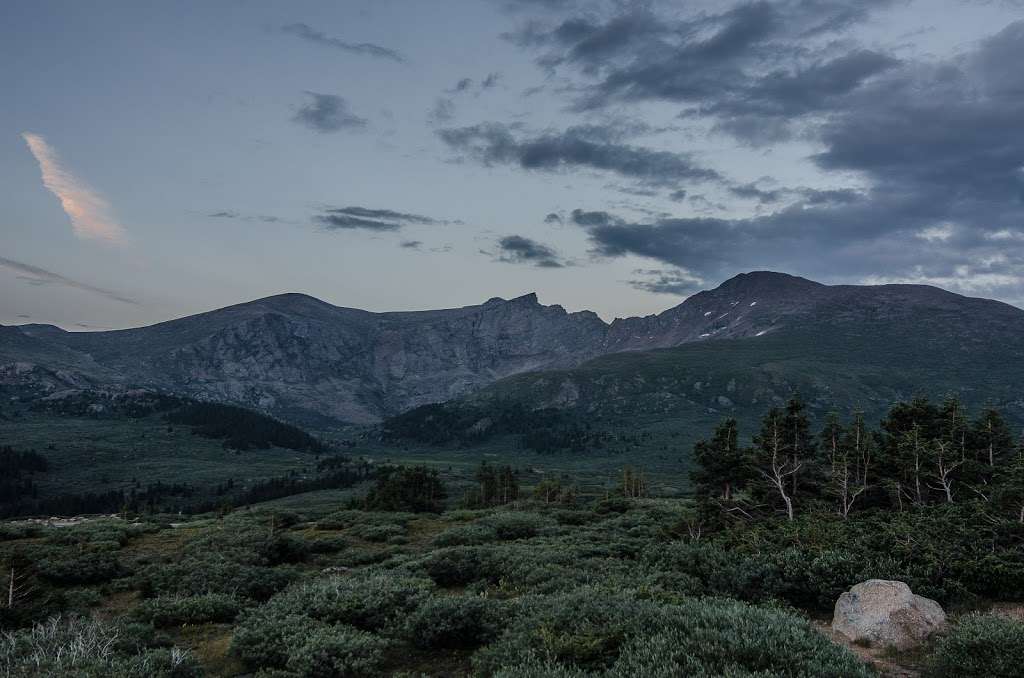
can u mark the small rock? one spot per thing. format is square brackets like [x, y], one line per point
[886, 613]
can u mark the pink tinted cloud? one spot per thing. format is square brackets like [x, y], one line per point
[89, 212]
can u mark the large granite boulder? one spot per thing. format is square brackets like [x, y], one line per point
[886, 613]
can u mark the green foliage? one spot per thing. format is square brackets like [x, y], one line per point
[377, 533]
[592, 632]
[494, 487]
[466, 535]
[515, 525]
[274, 634]
[243, 429]
[416, 489]
[981, 646]
[178, 610]
[69, 567]
[456, 622]
[338, 652]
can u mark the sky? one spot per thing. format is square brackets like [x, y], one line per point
[163, 159]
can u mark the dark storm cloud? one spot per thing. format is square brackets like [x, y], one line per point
[553, 219]
[516, 249]
[310, 34]
[935, 147]
[328, 113]
[411, 244]
[365, 218]
[577, 147]
[752, 67]
[34, 275]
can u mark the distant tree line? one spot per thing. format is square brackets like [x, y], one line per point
[544, 430]
[243, 429]
[922, 454]
[416, 489]
[17, 478]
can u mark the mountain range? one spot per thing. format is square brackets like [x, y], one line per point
[306, 360]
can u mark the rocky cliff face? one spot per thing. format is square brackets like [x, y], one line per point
[304, 359]
[301, 357]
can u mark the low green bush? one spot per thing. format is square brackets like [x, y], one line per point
[456, 622]
[593, 633]
[377, 533]
[265, 638]
[176, 611]
[70, 567]
[982, 646]
[511, 525]
[338, 652]
[466, 535]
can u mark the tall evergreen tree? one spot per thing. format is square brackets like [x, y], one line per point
[722, 464]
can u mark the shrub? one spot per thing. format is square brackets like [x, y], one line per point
[512, 525]
[377, 533]
[590, 632]
[339, 652]
[176, 611]
[266, 637]
[466, 535]
[983, 646]
[369, 601]
[458, 566]
[456, 622]
[68, 567]
[214, 574]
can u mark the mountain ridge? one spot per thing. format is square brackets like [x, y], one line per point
[302, 358]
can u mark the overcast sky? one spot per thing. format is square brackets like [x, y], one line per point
[160, 159]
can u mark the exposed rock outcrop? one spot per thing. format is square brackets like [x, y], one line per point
[886, 613]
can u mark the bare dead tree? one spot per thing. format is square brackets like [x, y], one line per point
[945, 464]
[780, 468]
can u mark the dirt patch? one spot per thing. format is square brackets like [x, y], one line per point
[887, 662]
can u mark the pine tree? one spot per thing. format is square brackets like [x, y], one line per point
[722, 464]
[1009, 493]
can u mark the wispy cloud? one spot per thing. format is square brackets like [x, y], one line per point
[370, 219]
[34, 275]
[89, 212]
[307, 32]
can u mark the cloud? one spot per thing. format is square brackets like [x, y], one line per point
[34, 275]
[666, 281]
[517, 249]
[752, 68]
[365, 218]
[490, 81]
[591, 147]
[443, 111]
[89, 212]
[229, 214]
[554, 219]
[328, 113]
[309, 34]
[411, 244]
